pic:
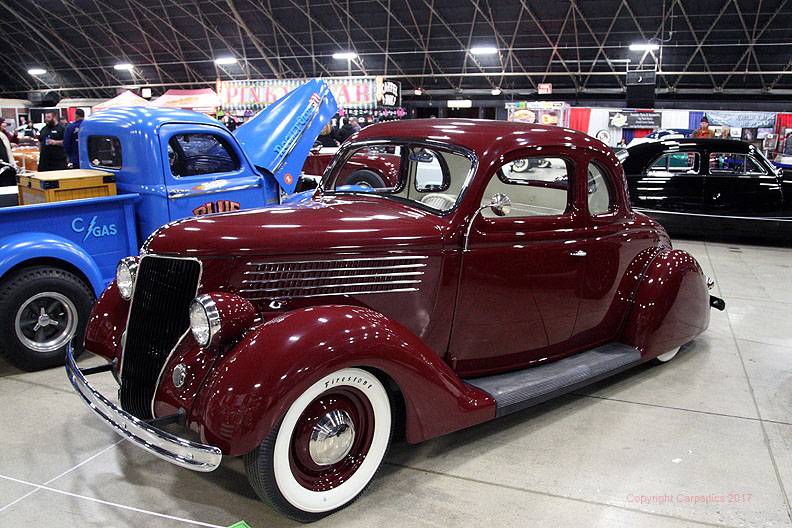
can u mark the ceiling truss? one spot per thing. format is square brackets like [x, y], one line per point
[581, 47]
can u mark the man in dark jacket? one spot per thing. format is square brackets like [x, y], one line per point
[53, 155]
[347, 130]
[71, 139]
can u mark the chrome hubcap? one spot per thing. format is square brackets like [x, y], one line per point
[332, 438]
[46, 322]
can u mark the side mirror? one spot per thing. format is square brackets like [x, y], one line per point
[500, 204]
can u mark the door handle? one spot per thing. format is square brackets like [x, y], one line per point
[578, 253]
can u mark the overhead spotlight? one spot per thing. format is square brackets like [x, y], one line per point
[224, 61]
[495, 91]
[37, 71]
[483, 50]
[123, 66]
[345, 55]
[418, 91]
[644, 46]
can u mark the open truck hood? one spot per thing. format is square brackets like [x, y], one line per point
[280, 137]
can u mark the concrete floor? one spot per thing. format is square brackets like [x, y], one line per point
[703, 441]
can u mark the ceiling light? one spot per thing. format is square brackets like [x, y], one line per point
[418, 91]
[495, 91]
[223, 61]
[484, 50]
[648, 46]
[124, 66]
[37, 71]
[345, 55]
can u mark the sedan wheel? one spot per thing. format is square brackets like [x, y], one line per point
[668, 356]
[327, 448]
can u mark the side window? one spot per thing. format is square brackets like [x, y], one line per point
[104, 151]
[536, 186]
[431, 174]
[600, 193]
[726, 163]
[677, 163]
[198, 154]
[368, 169]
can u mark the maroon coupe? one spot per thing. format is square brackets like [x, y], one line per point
[504, 266]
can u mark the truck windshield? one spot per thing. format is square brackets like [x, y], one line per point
[428, 176]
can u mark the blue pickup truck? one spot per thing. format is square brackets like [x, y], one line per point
[167, 164]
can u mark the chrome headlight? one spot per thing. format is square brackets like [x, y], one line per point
[204, 319]
[125, 277]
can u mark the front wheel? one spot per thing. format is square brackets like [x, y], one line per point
[41, 310]
[327, 447]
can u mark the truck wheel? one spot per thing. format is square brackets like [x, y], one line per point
[41, 310]
[327, 447]
[365, 178]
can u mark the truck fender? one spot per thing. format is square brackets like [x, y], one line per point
[671, 305]
[18, 248]
[252, 386]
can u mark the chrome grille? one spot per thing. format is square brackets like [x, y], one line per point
[158, 317]
[320, 278]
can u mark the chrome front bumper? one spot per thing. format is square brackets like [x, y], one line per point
[184, 453]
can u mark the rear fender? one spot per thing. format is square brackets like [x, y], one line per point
[671, 305]
[251, 387]
[19, 248]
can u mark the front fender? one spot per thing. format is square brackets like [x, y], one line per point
[251, 387]
[671, 306]
[18, 248]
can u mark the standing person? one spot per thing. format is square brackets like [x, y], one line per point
[71, 139]
[5, 144]
[355, 124]
[326, 138]
[704, 131]
[52, 155]
[346, 130]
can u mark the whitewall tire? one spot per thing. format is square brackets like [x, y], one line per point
[668, 356]
[327, 448]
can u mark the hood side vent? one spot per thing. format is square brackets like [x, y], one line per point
[266, 281]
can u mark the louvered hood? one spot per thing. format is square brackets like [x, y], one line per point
[334, 225]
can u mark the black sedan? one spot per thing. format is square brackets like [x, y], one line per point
[717, 188]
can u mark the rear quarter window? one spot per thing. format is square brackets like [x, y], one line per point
[105, 152]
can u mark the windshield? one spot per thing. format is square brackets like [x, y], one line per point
[428, 176]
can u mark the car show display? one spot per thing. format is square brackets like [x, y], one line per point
[416, 264]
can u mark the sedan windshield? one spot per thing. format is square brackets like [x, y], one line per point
[428, 176]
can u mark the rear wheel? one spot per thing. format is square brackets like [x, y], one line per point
[41, 310]
[327, 447]
[668, 356]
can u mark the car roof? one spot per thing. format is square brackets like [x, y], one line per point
[636, 158]
[479, 135]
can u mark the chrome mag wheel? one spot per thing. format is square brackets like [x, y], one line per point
[46, 322]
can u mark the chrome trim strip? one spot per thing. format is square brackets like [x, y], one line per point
[366, 268]
[761, 218]
[331, 294]
[162, 370]
[324, 286]
[364, 259]
[167, 446]
[175, 194]
[335, 277]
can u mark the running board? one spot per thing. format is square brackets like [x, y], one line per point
[514, 391]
